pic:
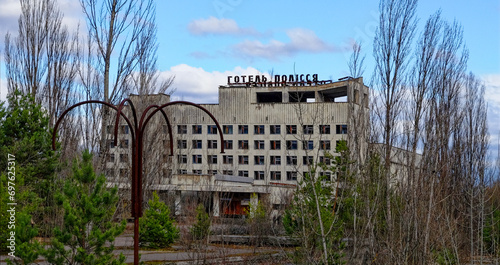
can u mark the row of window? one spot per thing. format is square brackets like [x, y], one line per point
[123, 158]
[258, 175]
[257, 160]
[243, 129]
[123, 143]
[257, 144]
[122, 129]
[261, 129]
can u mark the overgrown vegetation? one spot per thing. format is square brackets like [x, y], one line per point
[428, 114]
[257, 220]
[24, 134]
[88, 232]
[320, 211]
[201, 228]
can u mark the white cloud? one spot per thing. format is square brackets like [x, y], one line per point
[73, 15]
[9, 13]
[492, 92]
[3, 88]
[199, 86]
[11, 10]
[200, 55]
[492, 97]
[216, 26]
[301, 40]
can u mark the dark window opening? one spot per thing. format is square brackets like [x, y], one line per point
[269, 97]
[291, 129]
[341, 129]
[258, 175]
[197, 129]
[338, 94]
[211, 129]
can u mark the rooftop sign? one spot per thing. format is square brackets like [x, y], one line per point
[276, 80]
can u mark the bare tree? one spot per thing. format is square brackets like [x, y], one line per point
[475, 137]
[423, 74]
[121, 57]
[41, 61]
[111, 26]
[392, 51]
[145, 79]
[356, 62]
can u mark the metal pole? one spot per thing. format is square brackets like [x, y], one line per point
[137, 133]
[136, 241]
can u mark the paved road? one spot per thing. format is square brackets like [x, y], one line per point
[215, 253]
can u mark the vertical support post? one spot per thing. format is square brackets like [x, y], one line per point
[254, 200]
[135, 198]
[136, 240]
[216, 202]
[178, 205]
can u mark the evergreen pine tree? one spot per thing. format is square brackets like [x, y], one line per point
[25, 137]
[88, 232]
[157, 229]
[201, 228]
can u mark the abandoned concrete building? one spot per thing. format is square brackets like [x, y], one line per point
[273, 132]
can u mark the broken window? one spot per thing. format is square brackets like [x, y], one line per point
[197, 129]
[212, 144]
[211, 129]
[181, 129]
[269, 97]
[243, 129]
[275, 129]
[341, 129]
[275, 175]
[227, 129]
[291, 175]
[258, 129]
[258, 175]
[196, 159]
[291, 129]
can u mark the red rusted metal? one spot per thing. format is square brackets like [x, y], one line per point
[137, 132]
[82, 103]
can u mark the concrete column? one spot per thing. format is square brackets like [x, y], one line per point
[216, 204]
[178, 206]
[254, 201]
[286, 96]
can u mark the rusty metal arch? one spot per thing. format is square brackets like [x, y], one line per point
[137, 133]
[54, 133]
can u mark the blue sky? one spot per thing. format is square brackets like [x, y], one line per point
[202, 42]
[223, 34]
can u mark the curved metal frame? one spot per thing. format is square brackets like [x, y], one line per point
[83, 103]
[137, 133]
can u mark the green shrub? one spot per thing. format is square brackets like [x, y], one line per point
[491, 233]
[157, 229]
[445, 257]
[201, 228]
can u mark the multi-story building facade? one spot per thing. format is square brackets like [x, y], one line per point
[273, 132]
